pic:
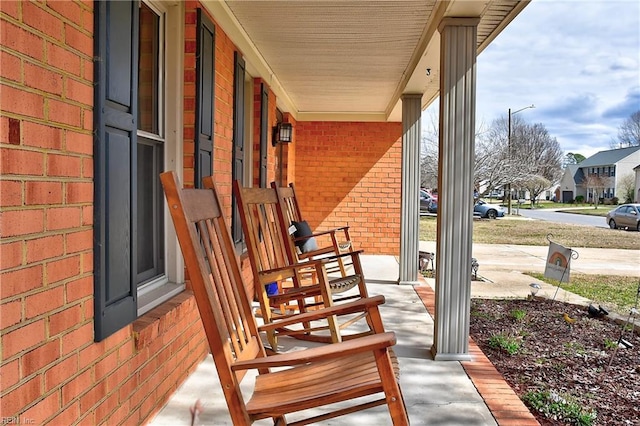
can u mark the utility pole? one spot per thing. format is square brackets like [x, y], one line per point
[509, 152]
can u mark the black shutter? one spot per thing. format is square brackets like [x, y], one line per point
[115, 124]
[238, 138]
[264, 133]
[205, 93]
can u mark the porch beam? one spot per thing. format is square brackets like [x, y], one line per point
[410, 208]
[458, 51]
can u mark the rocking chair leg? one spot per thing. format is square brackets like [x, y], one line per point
[273, 340]
[279, 421]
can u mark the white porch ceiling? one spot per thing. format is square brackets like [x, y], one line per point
[350, 59]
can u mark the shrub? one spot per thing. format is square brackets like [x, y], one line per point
[580, 199]
[614, 201]
[518, 314]
[554, 406]
[510, 345]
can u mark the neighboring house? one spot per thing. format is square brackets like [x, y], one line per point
[98, 324]
[598, 175]
[571, 178]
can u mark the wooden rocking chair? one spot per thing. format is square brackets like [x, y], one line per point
[339, 240]
[270, 255]
[304, 379]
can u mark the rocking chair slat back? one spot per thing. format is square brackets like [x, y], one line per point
[263, 232]
[334, 243]
[214, 273]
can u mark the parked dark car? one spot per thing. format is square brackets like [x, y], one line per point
[490, 211]
[428, 203]
[625, 216]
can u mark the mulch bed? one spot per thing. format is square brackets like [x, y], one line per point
[570, 370]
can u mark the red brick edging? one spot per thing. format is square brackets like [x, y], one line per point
[505, 406]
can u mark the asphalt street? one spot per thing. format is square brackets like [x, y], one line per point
[562, 217]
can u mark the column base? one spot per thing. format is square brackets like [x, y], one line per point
[409, 283]
[450, 357]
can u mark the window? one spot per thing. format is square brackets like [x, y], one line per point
[155, 282]
[135, 266]
[150, 151]
[242, 140]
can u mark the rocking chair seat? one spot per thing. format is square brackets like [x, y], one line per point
[342, 284]
[330, 384]
[328, 380]
[337, 285]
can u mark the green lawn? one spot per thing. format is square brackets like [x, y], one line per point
[614, 293]
[534, 232]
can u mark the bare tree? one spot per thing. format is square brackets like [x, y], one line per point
[626, 188]
[531, 160]
[539, 157]
[496, 164]
[429, 153]
[536, 185]
[629, 132]
[596, 184]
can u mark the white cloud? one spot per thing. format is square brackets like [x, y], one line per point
[578, 61]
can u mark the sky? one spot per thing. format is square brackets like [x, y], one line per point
[577, 61]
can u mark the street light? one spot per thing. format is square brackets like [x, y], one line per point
[509, 144]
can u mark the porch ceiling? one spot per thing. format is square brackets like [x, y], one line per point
[350, 59]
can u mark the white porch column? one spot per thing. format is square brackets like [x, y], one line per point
[455, 187]
[410, 194]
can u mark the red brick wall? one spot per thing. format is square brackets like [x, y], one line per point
[349, 173]
[51, 369]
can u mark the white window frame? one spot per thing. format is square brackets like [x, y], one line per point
[170, 123]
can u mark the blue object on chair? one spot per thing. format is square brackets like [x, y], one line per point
[272, 289]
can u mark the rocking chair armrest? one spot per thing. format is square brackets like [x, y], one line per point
[331, 258]
[360, 305]
[322, 353]
[319, 233]
[288, 271]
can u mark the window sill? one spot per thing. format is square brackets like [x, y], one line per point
[158, 320]
[157, 296]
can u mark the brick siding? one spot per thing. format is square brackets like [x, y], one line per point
[52, 371]
[349, 174]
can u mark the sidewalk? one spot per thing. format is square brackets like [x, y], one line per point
[502, 268]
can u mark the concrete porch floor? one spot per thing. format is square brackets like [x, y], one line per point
[436, 393]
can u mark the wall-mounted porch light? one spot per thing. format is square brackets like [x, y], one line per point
[282, 133]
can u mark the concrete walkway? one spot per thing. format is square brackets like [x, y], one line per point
[436, 393]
